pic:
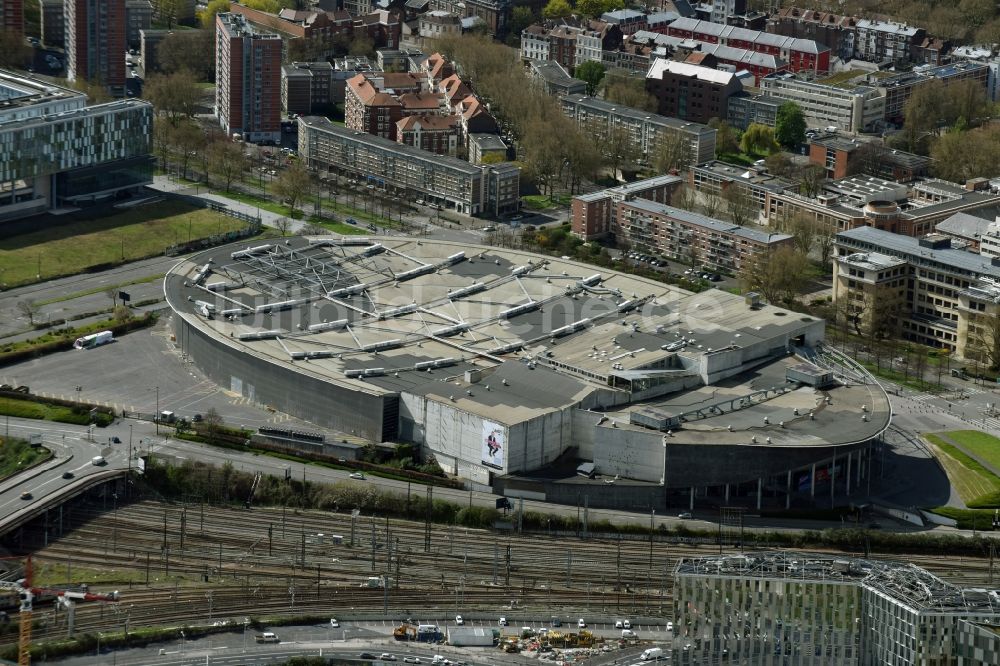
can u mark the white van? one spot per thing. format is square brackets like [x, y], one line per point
[98, 460]
[651, 654]
[628, 633]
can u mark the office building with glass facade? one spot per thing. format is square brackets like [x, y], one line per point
[799, 609]
[56, 152]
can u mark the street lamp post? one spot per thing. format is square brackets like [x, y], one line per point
[156, 416]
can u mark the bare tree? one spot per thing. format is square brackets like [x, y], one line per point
[292, 185]
[29, 309]
[777, 274]
[283, 224]
[740, 204]
[984, 334]
[211, 424]
[226, 160]
[672, 153]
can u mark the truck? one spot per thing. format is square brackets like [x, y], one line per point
[267, 637]
[652, 654]
[94, 340]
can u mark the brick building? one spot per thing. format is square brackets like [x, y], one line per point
[368, 109]
[593, 214]
[306, 87]
[12, 15]
[691, 92]
[248, 79]
[692, 238]
[802, 55]
[95, 43]
[437, 134]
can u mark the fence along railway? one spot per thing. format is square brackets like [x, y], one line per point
[193, 564]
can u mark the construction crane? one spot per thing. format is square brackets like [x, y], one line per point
[28, 592]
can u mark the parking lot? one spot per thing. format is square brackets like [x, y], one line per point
[141, 371]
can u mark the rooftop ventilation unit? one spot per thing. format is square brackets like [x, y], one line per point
[328, 326]
[261, 335]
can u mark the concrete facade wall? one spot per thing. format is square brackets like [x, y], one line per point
[535, 443]
[321, 402]
[629, 453]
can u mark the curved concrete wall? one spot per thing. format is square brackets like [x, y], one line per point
[320, 402]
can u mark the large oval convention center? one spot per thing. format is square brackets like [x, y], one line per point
[538, 377]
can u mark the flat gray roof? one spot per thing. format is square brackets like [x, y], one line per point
[321, 124]
[708, 222]
[870, 238]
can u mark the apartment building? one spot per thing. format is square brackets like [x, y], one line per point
[595, 38]
[885, 41]
[554, 78]
[691, 238]
[627, 20]
[486, 148]
[317, 25]
[55, 151]
[951, 297]
[149, 46]
[645, 129]
[737, 59]
[248, 79]
[744, 109]
[495, 14]
[436, 134]
[912, 209]
[368, 109]
[840, 155]
[409, 172]
[899, 87]
[53, 16]
[95, 43]
[858, 109]
[834, 30]
[436, 24]
[773, 608]
[691, 92]
[725, 11]
[138, 17]
[594, 215]
[562, 45]
[12, 15]
[306, 87]
[535, 43]
[802, 55]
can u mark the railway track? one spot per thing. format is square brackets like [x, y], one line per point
[188, 564]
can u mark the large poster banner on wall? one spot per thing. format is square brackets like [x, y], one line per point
[493, 445]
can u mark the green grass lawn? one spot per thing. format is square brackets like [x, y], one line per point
[122, 235]
[339, 227]
[845, 79]
[544, 202]
[980, 444]
[17, 455]
[976, 485]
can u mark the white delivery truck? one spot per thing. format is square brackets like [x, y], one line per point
[652, 654]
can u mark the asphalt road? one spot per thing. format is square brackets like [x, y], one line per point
[73, 451]
[346, 642]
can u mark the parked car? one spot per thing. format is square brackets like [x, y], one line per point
[581, 623]
[334, 624]
[459, 621]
